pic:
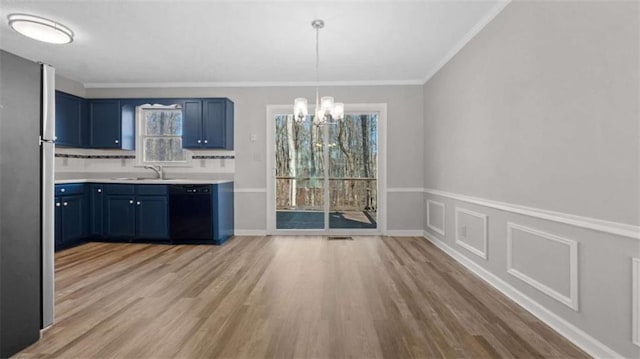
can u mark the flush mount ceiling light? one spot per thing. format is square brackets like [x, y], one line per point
[327, 111]
[40, 28]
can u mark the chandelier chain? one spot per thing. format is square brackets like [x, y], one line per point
[317, 55]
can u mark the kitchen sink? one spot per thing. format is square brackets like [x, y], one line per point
[146, 179]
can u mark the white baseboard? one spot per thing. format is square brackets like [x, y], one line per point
[404, 233]
[583, 340]
[250, 232]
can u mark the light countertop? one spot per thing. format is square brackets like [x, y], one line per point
[124, 180]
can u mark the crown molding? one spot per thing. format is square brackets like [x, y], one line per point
[92, 85]
[466, 38]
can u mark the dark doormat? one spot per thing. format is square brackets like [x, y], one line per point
[339, 238]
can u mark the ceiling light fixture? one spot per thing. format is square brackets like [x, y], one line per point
[327, 111]
[40, 28]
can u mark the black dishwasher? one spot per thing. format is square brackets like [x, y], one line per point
[190, 213]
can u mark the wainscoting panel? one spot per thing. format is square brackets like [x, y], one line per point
[545, 261]
[580, 275]
[436, 216]
[471, 231]
[635, 302]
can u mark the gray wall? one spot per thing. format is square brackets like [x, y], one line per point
[541, 109]
[404, 140]
[69, 86]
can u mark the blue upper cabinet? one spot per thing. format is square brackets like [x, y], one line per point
[105, 125]
[110, 123]
[192, 124]
[208, 124]
[70, 111]
[217, 124]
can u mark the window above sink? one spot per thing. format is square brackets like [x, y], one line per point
[159, 136]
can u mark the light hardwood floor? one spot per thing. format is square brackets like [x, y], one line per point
[284, 297]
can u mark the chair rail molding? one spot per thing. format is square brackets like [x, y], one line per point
[250, 190]
[617, 228]
[572, 300]
[483, 253]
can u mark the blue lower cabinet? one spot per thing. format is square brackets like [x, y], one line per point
[135, 212]
[71, 222]
[58, 222]
[119, 216]
[96, 210]
[223, 211]
[152, 220]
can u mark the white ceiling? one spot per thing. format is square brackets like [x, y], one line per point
[249, 42]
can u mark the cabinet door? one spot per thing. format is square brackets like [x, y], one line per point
[192, 124]
[73, 222]
[96, 199]
[214, 124]
[58, 222]
[152, 217]
[68, 120]
[105, 124]
[119, 219]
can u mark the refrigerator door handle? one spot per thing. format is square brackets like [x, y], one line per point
[42, 140]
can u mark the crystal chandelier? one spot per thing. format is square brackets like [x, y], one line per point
[327, 111]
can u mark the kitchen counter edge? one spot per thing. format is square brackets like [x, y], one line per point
[142, 181]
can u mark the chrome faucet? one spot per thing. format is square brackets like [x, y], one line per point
[157, 169]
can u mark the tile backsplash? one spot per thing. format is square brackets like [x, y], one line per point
[92, 163]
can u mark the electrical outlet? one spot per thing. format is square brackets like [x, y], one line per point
[463, 231]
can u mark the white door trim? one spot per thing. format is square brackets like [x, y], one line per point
[381, 109]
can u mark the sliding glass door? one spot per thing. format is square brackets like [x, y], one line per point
[325, 175]
[352, 159]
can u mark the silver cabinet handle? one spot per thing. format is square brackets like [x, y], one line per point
[99, 190]
[58, 204]
[138, 203]
[130, 201]
[62, 190]
[205, 141]
[199, 141]
[117, 141]
[65, 204]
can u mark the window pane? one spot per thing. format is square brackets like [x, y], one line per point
[353, 161]
[299, 174]
[163, 123]
[163, 149]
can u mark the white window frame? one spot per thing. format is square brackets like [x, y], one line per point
[381, 110]
[140, 136]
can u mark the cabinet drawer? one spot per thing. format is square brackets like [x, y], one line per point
[71, 188]
[151, 189]
[121, 189]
